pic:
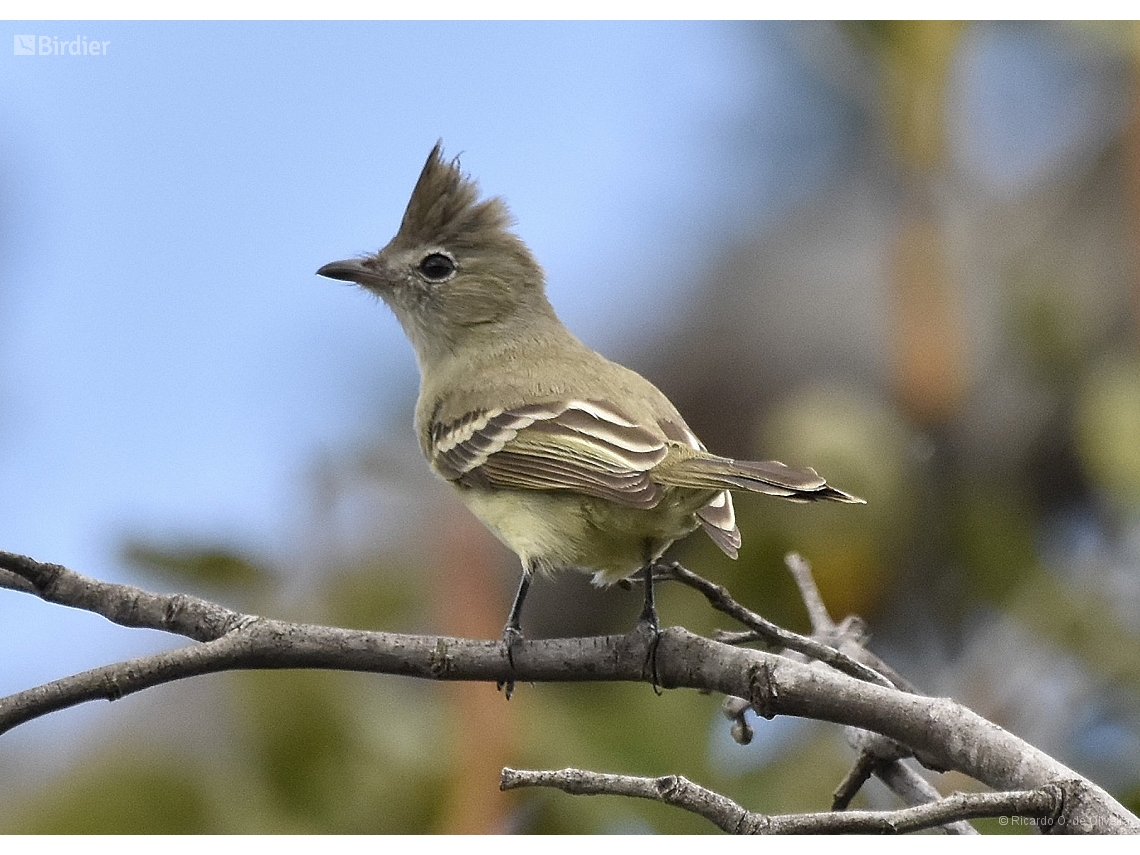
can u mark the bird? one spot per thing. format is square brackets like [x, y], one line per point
[573, 461]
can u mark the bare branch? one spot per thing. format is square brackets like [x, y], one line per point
[853, 781]
[820, 617]
[720, 599]
[112, 682]
[875, 754]
[915, 790]
[13, 582]
[947, 733]
[125, 605]
[882, 757]
[1042, 804]
[264, 643]
[849, 636]
[673, 790]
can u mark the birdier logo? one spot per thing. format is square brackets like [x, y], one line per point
[55, 46]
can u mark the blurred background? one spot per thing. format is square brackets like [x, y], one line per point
[903, 253]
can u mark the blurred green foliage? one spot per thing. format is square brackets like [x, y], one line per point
[146, 793]
[208, 567]
[1108, 428]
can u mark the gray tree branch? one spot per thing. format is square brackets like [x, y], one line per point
[938, 728]
[1041, 805]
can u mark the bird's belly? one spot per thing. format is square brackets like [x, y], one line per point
[551, 531]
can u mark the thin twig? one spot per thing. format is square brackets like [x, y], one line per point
[882, 757]
[820, 617]
[1042, 804]
[849, 636]
[721, 600]
[673, 790]
[915, 790]
[854, 780]
[875, 753]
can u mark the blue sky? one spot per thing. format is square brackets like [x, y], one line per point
[170, 364]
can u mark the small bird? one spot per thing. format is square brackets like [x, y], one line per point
[573, 461]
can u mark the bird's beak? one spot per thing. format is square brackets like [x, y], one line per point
[349, 270]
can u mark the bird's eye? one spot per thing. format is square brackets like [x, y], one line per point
[437, 267]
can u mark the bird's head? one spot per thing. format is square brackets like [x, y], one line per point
[454, 268]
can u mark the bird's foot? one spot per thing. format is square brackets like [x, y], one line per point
[512, 635]
[647, 621]
[649, 626]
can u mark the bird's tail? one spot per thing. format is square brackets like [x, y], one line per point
[709, 472]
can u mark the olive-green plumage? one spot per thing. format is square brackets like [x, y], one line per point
[572, 460]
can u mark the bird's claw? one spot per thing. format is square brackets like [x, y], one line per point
[512, 635]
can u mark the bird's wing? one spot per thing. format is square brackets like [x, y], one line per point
[589, 447]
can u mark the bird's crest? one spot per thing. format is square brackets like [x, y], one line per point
[445, 208]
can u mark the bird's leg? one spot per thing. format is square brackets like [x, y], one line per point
[649, 609]
[648, 622]
[512, 632]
